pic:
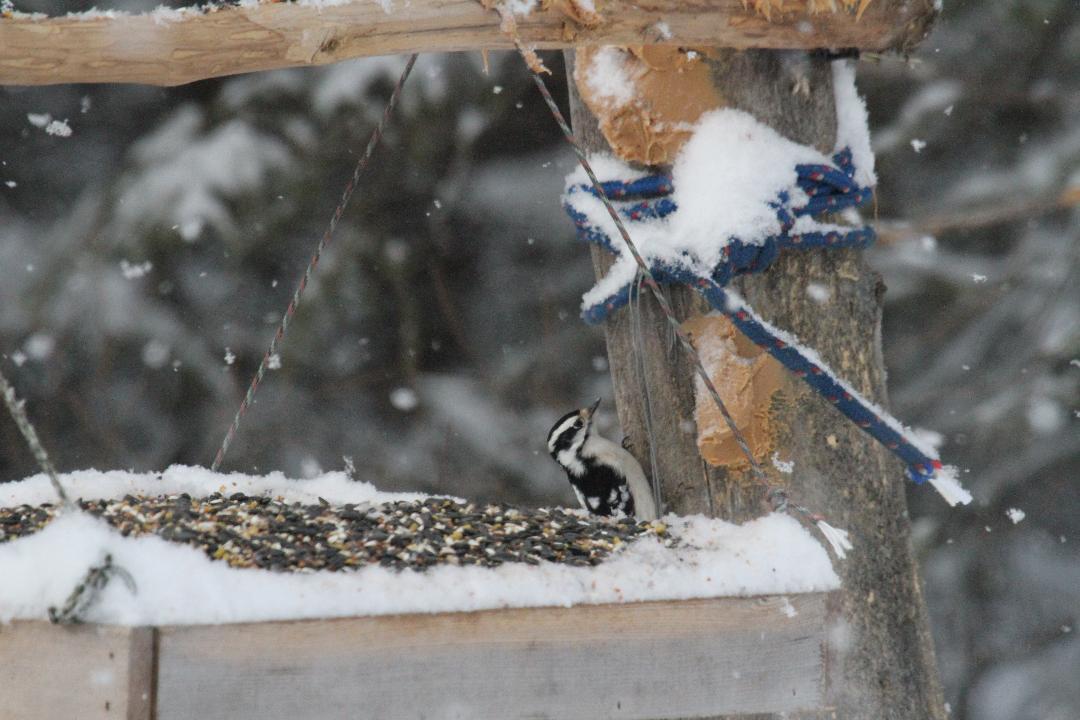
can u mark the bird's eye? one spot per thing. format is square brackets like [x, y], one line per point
[578, 425]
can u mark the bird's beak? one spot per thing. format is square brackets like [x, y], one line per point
[589, 411]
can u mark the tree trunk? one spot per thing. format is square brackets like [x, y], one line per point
[886, 660]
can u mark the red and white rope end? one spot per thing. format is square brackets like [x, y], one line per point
[948, 485]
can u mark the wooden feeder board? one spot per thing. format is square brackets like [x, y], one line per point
[677, 659]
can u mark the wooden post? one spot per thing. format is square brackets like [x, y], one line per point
[887, 664]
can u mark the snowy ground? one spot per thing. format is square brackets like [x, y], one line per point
[178, 584]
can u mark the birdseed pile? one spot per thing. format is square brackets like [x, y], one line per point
[249, 531]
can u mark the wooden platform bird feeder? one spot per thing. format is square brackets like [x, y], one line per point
[670, 659]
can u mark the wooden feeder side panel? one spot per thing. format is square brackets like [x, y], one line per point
[645, 660]
[84, 671]
[692, 658]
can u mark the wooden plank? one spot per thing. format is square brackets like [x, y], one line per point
[85, 672]
[161, 51]
[647, 660]
[142, 673]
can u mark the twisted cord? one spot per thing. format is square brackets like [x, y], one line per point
[294, 302]
[17, 410]
[641, 367]
[87, 592]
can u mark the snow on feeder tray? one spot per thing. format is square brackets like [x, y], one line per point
[241, 596]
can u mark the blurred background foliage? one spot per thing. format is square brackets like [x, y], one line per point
[146, 260]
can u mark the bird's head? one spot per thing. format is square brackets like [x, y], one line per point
[569, 433]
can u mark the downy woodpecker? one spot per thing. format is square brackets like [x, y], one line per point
[606, 478]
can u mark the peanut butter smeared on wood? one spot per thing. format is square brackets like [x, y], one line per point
[646, 98]
[747, 378]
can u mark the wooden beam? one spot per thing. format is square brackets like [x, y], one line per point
[690, 658]
[86, 672]
[172, 49]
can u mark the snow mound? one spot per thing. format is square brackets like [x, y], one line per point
[177, 584]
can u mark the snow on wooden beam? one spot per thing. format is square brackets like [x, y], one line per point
[169, 47]
[724, 656]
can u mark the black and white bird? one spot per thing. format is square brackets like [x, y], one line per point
[606, 478]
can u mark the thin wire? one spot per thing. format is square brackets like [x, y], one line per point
[373, 141]
[86, 592]
[641, 366]
[18, 414]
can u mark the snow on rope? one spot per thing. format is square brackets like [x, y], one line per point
[739, 194]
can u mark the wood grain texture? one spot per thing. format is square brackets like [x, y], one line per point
[888, 671]
[142, 673]
[645, 660]
[85, 672]
[230, 40]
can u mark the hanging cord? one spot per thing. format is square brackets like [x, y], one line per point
[87, 592]
[641, 367]
[776, 496]
[373, 141]
[18, 413]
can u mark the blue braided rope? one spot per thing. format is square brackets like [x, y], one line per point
[649, 186]
[829, 189]
[832, 189]
[920, 466]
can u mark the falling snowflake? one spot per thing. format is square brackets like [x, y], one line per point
[1015, 514]
[788, 609]
[59, 128]
[784, 466]
[404, 399]
[39, 346]
[191, 230]
[155, 354]
[309, 467]
[133, 271]
[817, 292]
